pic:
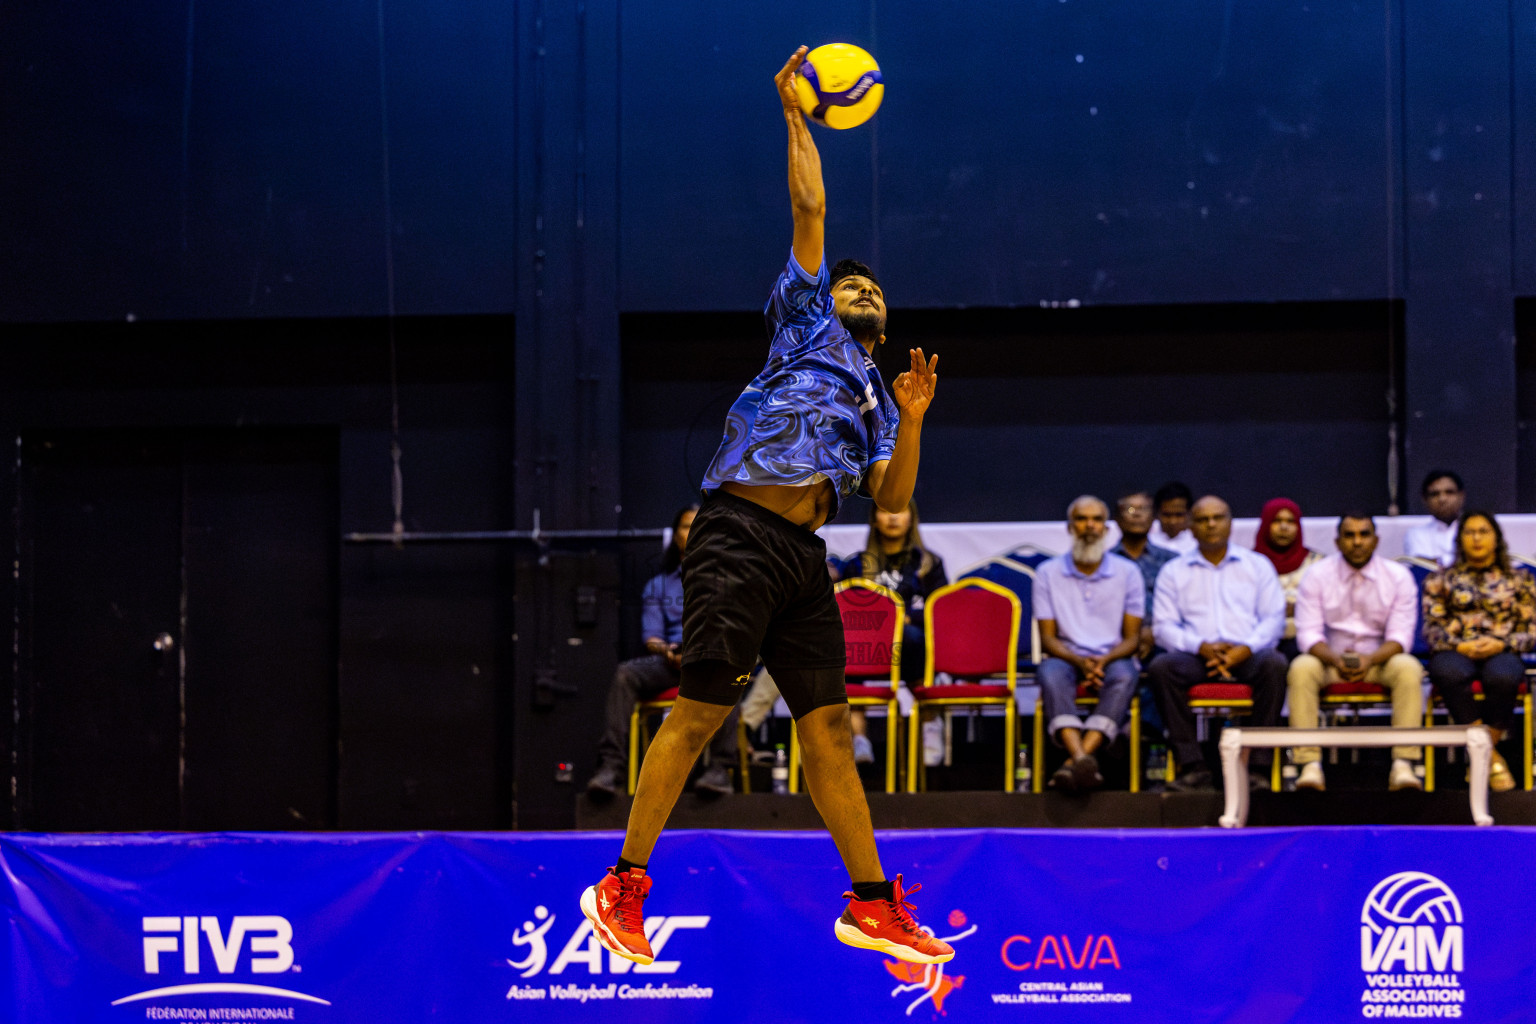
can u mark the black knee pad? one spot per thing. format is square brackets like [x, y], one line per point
[714, 682]
[806, 689]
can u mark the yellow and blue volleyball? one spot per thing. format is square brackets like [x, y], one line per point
[839, 85]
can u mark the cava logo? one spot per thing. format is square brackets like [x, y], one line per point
[1411, 922]
[263, 943]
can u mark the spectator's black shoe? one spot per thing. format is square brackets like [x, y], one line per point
[1258, 781]
[1194, 780]
[1064, 779]
[715, 781]
[606, 782]
[1085, 770]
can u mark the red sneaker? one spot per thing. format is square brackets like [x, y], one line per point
[613, 907]
[887, 925]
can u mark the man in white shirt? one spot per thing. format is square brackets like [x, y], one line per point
[1355, 618]
[1218, 612]
[1444, 496]
[1170, 526]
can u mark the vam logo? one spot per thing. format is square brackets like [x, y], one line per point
[268, 937]
[1411, 922]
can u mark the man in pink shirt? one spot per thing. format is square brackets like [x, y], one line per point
[1355, 616]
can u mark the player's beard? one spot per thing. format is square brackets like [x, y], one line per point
[864, 323]
[1086, 552]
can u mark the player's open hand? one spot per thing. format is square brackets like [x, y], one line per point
[785, 80]
[914, 387]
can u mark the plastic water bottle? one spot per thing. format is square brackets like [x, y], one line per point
[1023, 772]
[1157, 765]
[780, 770]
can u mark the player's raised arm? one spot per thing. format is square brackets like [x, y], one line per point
[807, 194]
[891, 481]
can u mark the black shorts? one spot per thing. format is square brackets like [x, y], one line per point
[756, 584]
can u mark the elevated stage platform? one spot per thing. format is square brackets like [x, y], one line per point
[1103, 809]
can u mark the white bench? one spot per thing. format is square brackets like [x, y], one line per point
[1236, 742]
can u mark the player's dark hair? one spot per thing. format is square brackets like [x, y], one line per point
[1436, 474]
[1169, 491]
[674, 555]
[850, 268]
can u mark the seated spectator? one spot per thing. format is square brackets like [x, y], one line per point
[1133, 514]
[1436, 540]
[1217, 613]
[661, 625]
[1355, 616]
[895, 558]
[1171, 507]
[1279, 540]
[1479, 617]
[1089, 604]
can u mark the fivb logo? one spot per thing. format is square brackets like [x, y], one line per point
[1411, 922]
[268, 938]
[271, 943]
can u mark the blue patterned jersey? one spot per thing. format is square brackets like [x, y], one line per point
[818, 410]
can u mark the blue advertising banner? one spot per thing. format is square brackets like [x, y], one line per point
[1322, 924]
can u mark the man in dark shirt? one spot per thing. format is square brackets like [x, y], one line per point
[1133, 514]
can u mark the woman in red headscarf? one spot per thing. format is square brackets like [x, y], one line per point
[1279, 540]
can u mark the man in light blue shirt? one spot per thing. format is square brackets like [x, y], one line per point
[1218, 613]
[1089, 604]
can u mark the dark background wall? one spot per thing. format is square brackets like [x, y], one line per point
[1276, 248]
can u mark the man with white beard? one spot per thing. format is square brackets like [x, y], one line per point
[1089, 604]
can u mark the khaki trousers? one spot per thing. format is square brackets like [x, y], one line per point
[1402, 676]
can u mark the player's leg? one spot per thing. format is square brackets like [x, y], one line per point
[877, 915]
[728, 598]
[826, 748]
[615, 906]
[704, 702]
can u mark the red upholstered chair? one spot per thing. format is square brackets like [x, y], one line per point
[873, 620]
[972, 633]
[1221, 699]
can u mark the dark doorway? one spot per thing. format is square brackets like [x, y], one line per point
[176, 629]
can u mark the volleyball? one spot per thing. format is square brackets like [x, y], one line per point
[839, 85]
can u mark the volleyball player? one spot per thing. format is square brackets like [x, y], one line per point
[814, 427]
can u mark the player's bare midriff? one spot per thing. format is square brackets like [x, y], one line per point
[807, 505]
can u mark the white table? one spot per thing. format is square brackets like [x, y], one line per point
[1237, 741]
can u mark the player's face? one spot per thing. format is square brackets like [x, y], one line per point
[860, 305]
